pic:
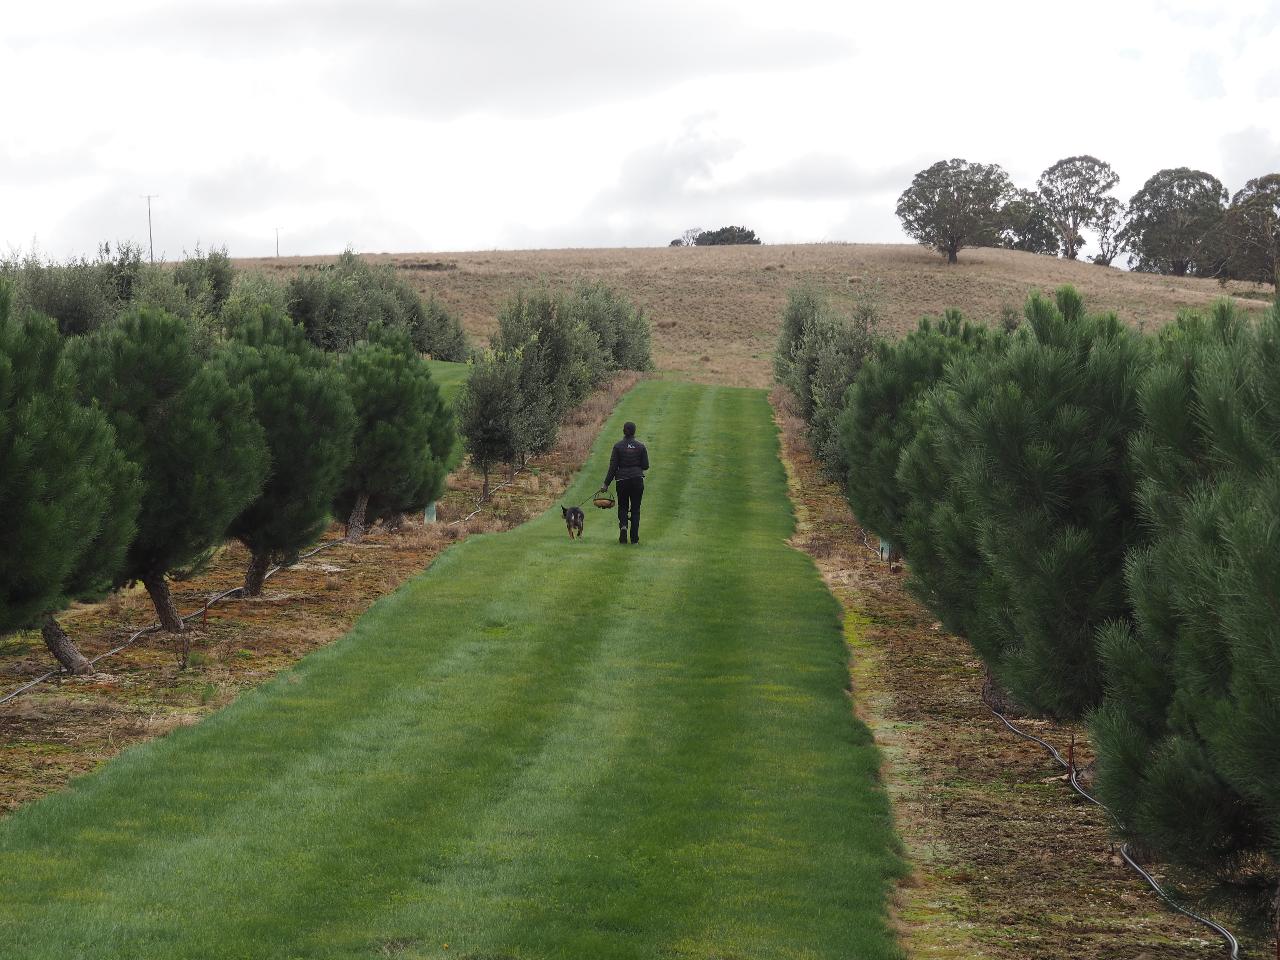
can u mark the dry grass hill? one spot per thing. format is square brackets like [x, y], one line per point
[715, 309]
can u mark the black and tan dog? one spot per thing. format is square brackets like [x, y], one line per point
[573, 519]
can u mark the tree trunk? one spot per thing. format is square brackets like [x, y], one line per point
[395, 522]
[254, 577]
[63, 650]
[484, 489]
[1275, 922]
[158, 588]
[356, 522]
[951, 255]
[997, 698]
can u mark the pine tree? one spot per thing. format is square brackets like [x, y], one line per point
[199, 448]
[300, 399]
[949, 572]
[1186, 734]
[879, 418]
[405, 434]
[1030, 473]
[1051, 476]
[68, 495]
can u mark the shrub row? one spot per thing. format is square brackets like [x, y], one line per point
[135, 451]
[1098, 513]
[550, 350]
[334, 303]
[820, 353]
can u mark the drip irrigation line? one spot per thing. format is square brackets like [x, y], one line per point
[1233, 945]
[483, 500]
[155, 627]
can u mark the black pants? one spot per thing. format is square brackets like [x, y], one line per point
[630, 493]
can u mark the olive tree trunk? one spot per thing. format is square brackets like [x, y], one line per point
[356, 522]
[63, 650]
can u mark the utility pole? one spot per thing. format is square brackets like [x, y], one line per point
[151, 243]
[277, 243]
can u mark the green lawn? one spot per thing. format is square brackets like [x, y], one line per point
[538, 748]
[448, 376]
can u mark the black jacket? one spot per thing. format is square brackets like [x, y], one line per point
[629, 461]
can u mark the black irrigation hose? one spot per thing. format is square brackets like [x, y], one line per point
[1233, 945]
[155, 627]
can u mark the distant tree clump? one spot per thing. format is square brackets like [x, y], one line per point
[336, 303]
[1027, 227]
[300, 399]
[956, 204]
[1251, 231]
[200, 450]
[1173, 222]
[1073, 192]
[725, 236]
[404, 436]
[68, 494]
[1113, 218]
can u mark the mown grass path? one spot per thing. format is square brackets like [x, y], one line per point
[537, 748]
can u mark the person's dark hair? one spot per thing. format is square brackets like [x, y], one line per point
[628, 429]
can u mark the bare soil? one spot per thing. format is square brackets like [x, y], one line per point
[715, 310]
[1008, 863]
[68, 725]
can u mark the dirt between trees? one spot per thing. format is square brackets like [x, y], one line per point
[1007, 862]
[68, 725]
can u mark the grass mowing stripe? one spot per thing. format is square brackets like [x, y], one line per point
[536, 749]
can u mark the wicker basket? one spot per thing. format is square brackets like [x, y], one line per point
[603, 501]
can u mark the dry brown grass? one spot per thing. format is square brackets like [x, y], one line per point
[715, 309]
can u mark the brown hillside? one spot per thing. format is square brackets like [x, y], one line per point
[715, 309]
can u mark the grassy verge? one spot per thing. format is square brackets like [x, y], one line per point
[448, 376]
[539, 748]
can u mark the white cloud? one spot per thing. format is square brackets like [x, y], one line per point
[446, 124]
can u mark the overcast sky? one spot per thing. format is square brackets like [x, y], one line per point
[453, 125]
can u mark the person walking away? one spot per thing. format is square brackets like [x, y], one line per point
[627, 465]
